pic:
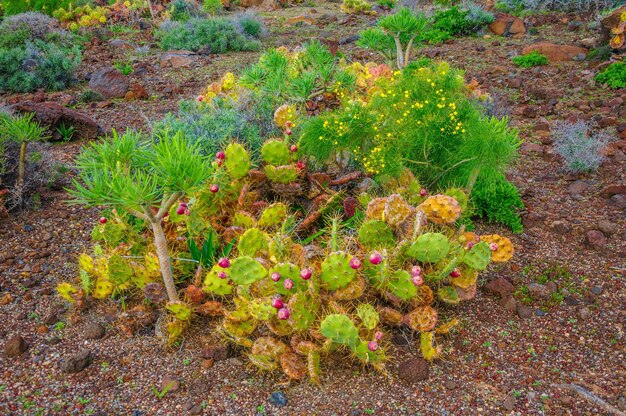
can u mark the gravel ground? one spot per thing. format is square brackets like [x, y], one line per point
[523, 362]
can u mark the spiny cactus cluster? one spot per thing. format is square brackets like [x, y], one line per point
[290, 304]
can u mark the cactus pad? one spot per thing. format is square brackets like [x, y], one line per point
[243, 219]
[284, 174]
[275, 152]
[504, 252]
[340, 329]
[376, 209]
[268, 346]
[401, 285]
[441, 209]
[180, 310]
[273, 215]
[253, 241]
[336, 270]
[390, 316]
[293, 366]
[237, 160]
[288, 271]
[303, 309]
[448, 294]
[478, 256]
[429, 248]
[467, 278]
[368, 316]
[427, 346]
[213, 284]
[245, 270]
[375, 234]
[354, 290]
[423, 297]
[397, 210]
[422, 319]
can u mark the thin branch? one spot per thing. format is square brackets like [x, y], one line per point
[139, 214]
[452, 167]
[166, 205]
[407, 52]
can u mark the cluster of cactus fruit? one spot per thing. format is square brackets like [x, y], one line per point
[289, 304]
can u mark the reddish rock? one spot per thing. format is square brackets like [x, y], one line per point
[611, 190]
[137, 92]
[217, 352]
[177, 59]
[414, 370]
[509, 303]
[561, 227]
[507, 25]
[15, 345]
[76, 362]
[577, 188]
[109, 82]
[610, 21]
[596, 240]
[499, 286]
[554, 52]
[170, 384]
[533, 219]
[53, 116]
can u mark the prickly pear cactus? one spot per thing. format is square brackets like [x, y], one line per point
[287, 272]
[397, 210]
[273, 215]
[429, 248]
[303, 310]
[283, 174]
[336, 270]
[441, 209]
[478, 256]
[275, 152]
[448, 294]
[422, 319]
[214, 284]
[368, 316]
[376, 234]
[501, 247]
[340, 330]
[180, 310]
[252, 242]
[237, 161]
[376, 209]
[401, 285]
[246, 270]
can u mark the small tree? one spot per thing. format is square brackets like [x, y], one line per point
[22, 130]
[399, 29]
[143, 177]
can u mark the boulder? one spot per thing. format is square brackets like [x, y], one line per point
[53, 116]
[177, 59]
[76, 362]
[555, 52]
[15, 346]
[507, 25]
[414, 370]
[109, 82]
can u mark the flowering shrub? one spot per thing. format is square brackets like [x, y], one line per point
[449, 142]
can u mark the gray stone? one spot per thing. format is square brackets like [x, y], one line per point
[76, 362]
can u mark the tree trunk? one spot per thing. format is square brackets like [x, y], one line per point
[21, 167]
[164, 260]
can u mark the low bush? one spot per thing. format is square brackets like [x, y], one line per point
[614, 75]
[530, 59]
[534, 6]
[248, 120]
[459, 21]
[212, 35]
[35, 54]
[11, 7]
[580, 148]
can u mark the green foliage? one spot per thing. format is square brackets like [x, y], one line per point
[498, 200]
[248, 120]
[461, 21]
[212, 6]
[132, 172]
[12, 7]
[530, 59]
[22, 129]
[613, 75]
[213, 35]
[249, 24]
[34, 57]
[313, 72]
[182, 10]
[450, 142]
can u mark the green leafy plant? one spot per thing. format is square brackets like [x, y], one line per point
[212, 6]
[613, 75]
[34, 54]
[531, 59]
[66, 132]
[22, 130]
[450, 143]
[126, 68]
[214, 35]
[143, 177]
[404, 26]
[459, 21]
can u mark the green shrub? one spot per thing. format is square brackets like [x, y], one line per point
[422, 119]
[11, 7]
[249, 120]
[213, 35]
[614, 75]
[183, 10]
[212, 6]
[249, 24]
[459, 22]
[530, 59]
[314, 72]
[34, 55]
